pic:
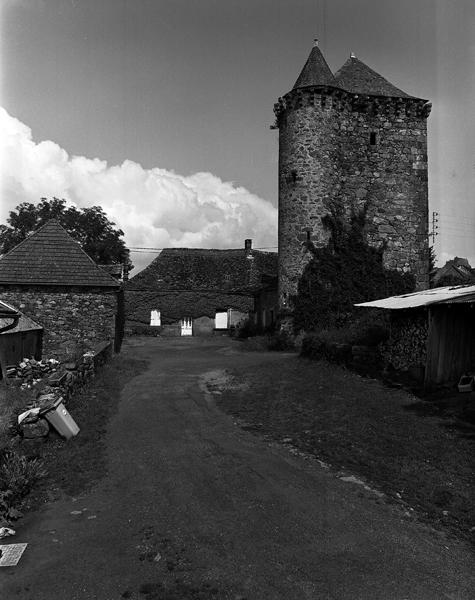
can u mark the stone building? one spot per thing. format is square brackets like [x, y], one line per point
[346, 141]
[195, 291]
[54, 282]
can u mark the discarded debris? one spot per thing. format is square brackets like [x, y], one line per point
[11, 554]
[6, 531]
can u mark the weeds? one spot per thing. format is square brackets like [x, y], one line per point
[18, 476]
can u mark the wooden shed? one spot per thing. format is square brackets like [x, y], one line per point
[445, 320]
[24, 340]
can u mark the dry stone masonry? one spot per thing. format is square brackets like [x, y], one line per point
[71, 319]
[347, 141]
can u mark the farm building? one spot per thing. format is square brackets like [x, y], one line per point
[54, 282]
[432, 331]
[194, 291]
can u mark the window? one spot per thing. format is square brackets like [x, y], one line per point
[155, 320]
[221, 320]
[373, 138]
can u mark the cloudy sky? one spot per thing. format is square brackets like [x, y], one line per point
[159, 110]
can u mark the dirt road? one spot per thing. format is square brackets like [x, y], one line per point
[195, 507]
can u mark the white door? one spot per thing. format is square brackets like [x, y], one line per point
[187, 326]
[155, 318]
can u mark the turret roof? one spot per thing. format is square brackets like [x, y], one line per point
[356, 77]
[315, 71]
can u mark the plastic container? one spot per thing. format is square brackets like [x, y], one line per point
[61, 420]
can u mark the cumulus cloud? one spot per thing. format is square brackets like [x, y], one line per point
[154, 207]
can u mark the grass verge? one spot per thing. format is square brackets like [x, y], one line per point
[361, 426]
[73, 466]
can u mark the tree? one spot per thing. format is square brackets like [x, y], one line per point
[97, 236]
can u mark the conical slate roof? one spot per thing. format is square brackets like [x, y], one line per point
[354, 76]
[50, 256]
[316, 71]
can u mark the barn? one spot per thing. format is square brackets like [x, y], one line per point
[195, 291]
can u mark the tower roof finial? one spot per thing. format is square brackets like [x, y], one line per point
[315, 42]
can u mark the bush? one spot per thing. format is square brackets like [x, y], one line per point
[18, 475]
[280, 341]
[370, 328]
[331, 344]
[245, 329]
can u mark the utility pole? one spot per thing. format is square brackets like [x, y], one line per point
[435, 226]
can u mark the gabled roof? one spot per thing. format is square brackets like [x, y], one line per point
[50, 256]
[457, 269]
[443, 295]
[195, 269]
[316, 71]
[354, 76]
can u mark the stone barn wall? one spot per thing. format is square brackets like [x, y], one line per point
[74, 320]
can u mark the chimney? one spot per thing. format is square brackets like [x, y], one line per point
[247, 245]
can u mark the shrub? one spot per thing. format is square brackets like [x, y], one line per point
[18, 475]
[369, 328]
[245, 329]
[280, 341]
[331, 344]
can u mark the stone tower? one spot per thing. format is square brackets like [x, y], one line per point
[346, 141]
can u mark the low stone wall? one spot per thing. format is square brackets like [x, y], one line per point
[62, 380]
[74, 320]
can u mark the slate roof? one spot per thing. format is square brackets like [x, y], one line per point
[354, 76]
[228, 271]
[50, 256]
[315, 72]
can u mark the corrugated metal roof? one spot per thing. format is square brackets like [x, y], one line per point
[443, 295]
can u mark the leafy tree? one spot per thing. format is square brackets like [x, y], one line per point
[344, 272]
[97, 236]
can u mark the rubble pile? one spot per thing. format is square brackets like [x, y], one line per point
[50, 381]
[29, 371]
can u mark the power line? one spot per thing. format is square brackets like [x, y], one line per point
[146, 249]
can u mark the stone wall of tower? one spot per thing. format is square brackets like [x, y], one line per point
[308, 170]
[337, 148]
[384, 163]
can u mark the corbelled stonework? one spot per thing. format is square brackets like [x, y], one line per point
[340, 150]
